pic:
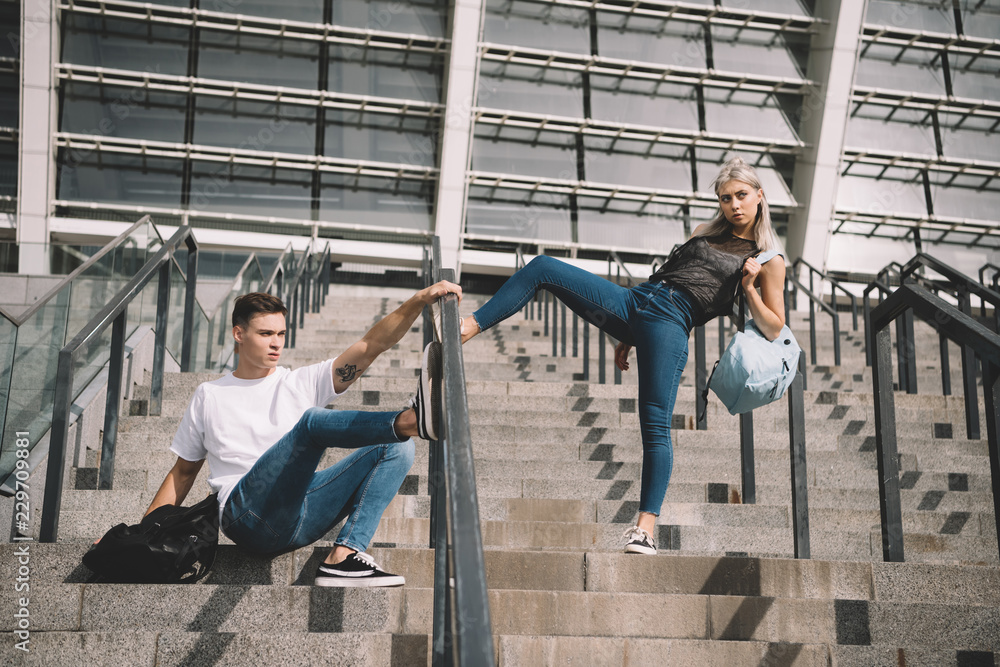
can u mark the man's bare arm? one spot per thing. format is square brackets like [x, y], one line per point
[176, 484]
[356, 359]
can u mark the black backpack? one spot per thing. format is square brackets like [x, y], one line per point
[170, 545]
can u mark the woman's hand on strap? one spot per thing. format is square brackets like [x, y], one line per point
[768, 307]
[621, 355]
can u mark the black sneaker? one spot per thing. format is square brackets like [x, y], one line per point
[358, 570]
[428, 400]
[638, 541]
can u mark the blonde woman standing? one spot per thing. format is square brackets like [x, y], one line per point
[698, 282]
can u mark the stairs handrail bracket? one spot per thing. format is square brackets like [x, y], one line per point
[963, 330]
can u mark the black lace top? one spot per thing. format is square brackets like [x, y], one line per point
[709, 269]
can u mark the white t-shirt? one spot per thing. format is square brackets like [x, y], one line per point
[231, 422]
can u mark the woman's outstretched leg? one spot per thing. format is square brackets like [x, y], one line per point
[598, 301]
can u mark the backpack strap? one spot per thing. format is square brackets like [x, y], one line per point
[767, 256]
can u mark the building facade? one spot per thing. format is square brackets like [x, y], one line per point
[567, 124]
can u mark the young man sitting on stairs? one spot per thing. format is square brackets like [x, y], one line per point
[264, 429]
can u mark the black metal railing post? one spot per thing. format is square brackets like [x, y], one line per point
[747, 475]
[885, 447]
[969, 375]
[160, 348]
[602, 361]
[799, 469]
[190, 301]
[991, 393]
[700, 379]
[113, 404]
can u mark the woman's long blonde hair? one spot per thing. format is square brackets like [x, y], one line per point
[737, 169]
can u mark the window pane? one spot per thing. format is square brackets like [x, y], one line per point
[652, 232]
[793, 7]
[268, 60]
[762, 51]
[530, 89]
[976, 78]
[910, 15]
[114, 111]
[917, 71]
[123, 44]
[638, 164]
[537, 25]
[967, 141]
[552, 155]
[382, 137]
[414, 17]
[118, 178]
[963, 202]
[262, 126]
[983, 22]
[366, 201]
[643, 103]
[290, 10]
[650, 40]
[383, 73]
[544, 217]
[746, 114]
[904, 133]
[9, 100]
[251, 190]
[880, 196]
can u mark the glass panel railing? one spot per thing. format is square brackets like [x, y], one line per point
[96, 286]
[175, 313]
[27, 383]
[33, 375]
[8, 341]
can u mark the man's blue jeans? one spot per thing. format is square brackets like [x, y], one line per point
[284, 503]
[655, 318]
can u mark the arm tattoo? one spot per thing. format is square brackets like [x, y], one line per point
[348, 372]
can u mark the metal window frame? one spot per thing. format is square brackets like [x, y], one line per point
[599, 65]
[634, 132]
[729, 17]
[947, 165]
[606, 191]
[917, 224]
[257, 25]
[233, 156]
[246, 91]
[285, 224]
[961, 106]
[930, 41]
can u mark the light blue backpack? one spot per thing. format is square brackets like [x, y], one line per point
[754, 371]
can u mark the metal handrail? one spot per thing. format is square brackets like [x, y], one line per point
[963, 330]
[112, 315]
[291, 297]
[37, 305]
[462, 631]
[826, 308]
[960, 280]
[834, 285]
[473, 636]
[613, 256]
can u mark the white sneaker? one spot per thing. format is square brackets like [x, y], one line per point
[638, 541]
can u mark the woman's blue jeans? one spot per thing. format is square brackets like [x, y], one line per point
[284, 503]
[655, 318]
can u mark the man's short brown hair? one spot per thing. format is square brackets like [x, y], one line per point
[255, 303]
